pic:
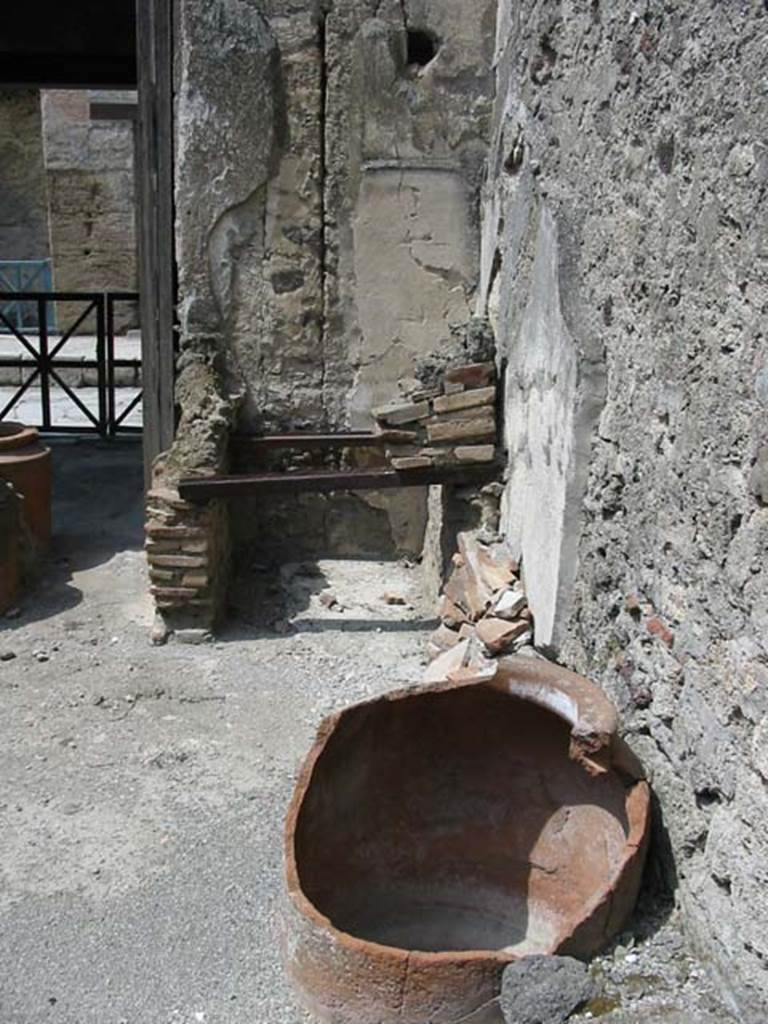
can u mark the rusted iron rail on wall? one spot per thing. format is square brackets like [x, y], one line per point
[323, 481]
[41, 358]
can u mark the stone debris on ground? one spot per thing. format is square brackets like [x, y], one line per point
[545, 990]
[453, 423]
[483, 611]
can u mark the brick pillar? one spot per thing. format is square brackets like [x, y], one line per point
[188, 553]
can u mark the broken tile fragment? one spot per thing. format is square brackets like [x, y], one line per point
[450, 614]
[480, 428]
[509, 604]
[523, 640]
[439, 456]
[472, 375]
[475, 453]
[402, 412]
[448, 661]
[402, 462]
[498, 634]
[475, 672]
[466, 589]
[465, 400]
[399, 437]
[441, 639]
[493, 567]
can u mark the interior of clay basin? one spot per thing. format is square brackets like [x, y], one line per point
[457, 821]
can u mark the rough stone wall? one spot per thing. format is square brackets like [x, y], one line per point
[227, 120]
[23, 188]
[341, 236]
[624, 267]
[90, 174]
[364, 243]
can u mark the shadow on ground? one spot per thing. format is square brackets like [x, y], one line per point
[97, 512]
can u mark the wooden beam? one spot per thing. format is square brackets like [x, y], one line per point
[202, 489]
[154, 179]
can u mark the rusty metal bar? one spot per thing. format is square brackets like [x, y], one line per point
[201, 489]
[305, 442]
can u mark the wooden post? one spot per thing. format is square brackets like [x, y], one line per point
[154, 186]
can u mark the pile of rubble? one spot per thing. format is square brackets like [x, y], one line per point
[454, 424]
[483, 613]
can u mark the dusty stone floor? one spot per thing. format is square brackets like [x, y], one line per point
[142, 789]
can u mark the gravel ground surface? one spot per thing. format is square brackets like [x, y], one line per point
[142, 789]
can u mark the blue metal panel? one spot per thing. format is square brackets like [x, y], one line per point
[26, 276]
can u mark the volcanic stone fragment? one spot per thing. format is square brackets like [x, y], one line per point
[545, 990]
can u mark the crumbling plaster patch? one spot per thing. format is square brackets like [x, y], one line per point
[413, 264]
[548, 424]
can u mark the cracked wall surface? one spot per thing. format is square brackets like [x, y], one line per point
[341, 220]
[625, 261]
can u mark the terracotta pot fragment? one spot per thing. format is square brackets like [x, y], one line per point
[10, 557]
[26, 463]
[439, 833]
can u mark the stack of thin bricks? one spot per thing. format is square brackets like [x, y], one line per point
[178, 551]
[452, 428]
[483, 612]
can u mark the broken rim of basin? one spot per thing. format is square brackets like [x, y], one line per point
[344, 977]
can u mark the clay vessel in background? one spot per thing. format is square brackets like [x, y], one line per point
[10, 554]
[26, 462]
[437, 834]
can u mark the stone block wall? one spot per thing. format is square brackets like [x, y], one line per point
[91, 201]
[625, 268]
[23, 185]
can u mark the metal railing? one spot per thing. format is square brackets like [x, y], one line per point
[41, 357]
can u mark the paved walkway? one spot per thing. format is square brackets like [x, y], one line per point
[143, 789]
[64, 412]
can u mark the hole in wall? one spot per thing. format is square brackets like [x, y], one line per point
[722, 882]
[707, 797]
[422, 47]
[514, 160]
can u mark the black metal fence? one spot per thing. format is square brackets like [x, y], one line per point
[42, 358]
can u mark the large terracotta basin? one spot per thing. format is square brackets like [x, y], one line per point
[439, 833]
